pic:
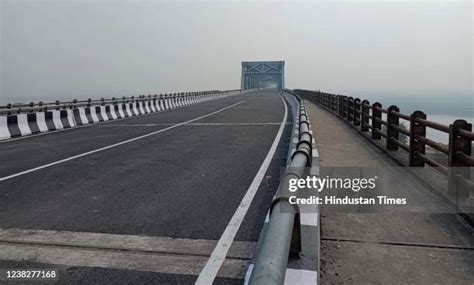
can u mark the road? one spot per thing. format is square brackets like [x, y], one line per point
[144, 199]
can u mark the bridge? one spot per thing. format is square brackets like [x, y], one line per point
[194, 187]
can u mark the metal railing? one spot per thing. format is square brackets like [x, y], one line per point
[11, 109]
[283, 231]
[368, 118]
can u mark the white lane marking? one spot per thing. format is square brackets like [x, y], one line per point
[248, 274]
[300, 276]
[209, 272]
[190, 124]
[116, 144]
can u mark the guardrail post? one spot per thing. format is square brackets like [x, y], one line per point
[357, 112]
[416, 129]
[364, 116]
[392, 133]
[458, 168]
[376, 125]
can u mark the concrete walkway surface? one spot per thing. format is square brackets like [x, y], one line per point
[411, 245]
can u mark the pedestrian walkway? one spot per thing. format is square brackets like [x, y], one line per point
[412, 245]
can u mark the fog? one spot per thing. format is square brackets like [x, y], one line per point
[81, 49]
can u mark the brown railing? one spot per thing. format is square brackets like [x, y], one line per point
[369, 118]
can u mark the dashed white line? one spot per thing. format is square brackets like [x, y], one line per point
[115, 145]
[192, 124]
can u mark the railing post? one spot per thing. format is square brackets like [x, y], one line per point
[350, 109]
[392, 133]
[458, 168]
[329, 100]
[357, 112]
[376, 125]
[416, 129]
[345, 106]
[365, 116]
[340, 107]
[333, 103]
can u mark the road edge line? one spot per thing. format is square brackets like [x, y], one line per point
[218, 256]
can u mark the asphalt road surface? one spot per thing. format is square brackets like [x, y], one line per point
[144, 199]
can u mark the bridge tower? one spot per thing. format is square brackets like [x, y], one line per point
[263, 74]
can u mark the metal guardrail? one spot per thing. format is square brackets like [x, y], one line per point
[283, 231]
[11, 109]
[368, 117]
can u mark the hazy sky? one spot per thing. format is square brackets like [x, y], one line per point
[68, 49]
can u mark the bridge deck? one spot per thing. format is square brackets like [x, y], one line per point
[150, 210]
[414, 245]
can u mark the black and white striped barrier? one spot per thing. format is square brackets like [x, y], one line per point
[18, 125]
[26, 124]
